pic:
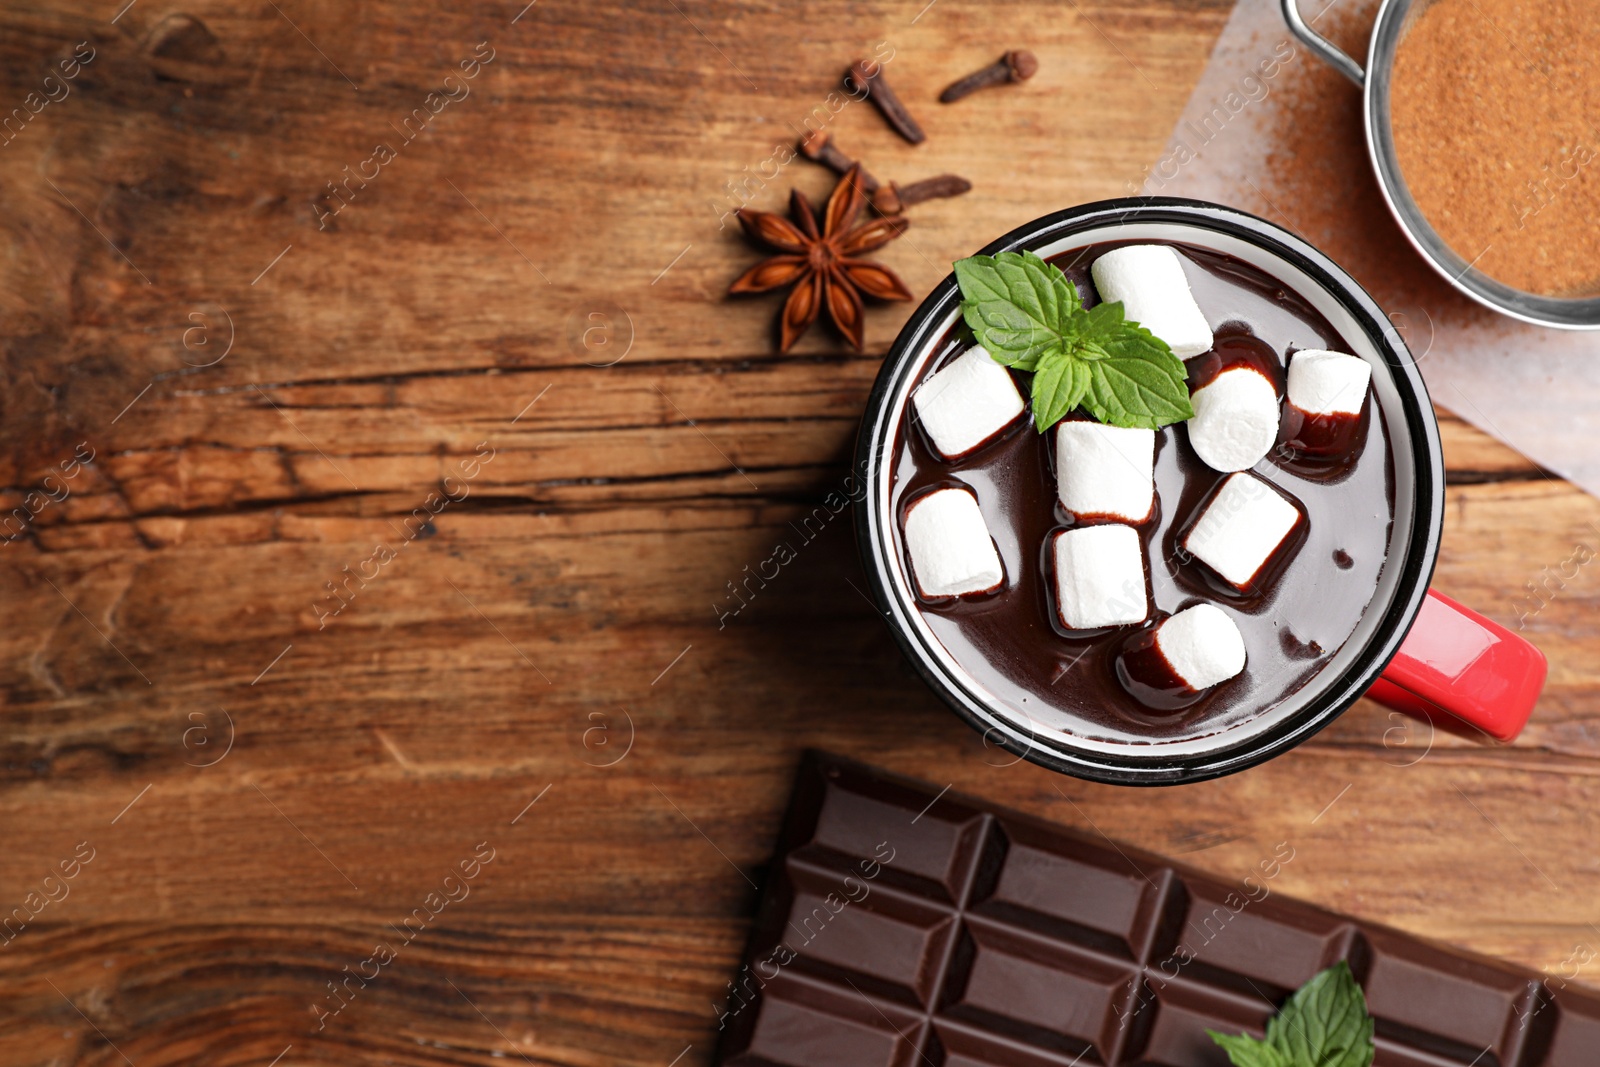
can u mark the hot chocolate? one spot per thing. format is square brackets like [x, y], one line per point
[1288, 547]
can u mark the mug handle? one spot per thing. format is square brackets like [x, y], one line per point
[1456, 661]
[1326, 50]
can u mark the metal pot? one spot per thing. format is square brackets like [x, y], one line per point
[1395, 19]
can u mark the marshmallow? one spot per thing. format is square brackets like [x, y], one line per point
[1202, 645]
[952, 553]
[1241, 528]
[1149, 281]
[1328, 383]
[1100, 577]
[1235, 419]
[967, 403]
[1105, 472]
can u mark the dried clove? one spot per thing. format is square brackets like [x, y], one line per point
[892, 199]
[818, 147]
[866, 77]
[1014, 66]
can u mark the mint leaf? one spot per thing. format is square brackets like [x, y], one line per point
[1248, 1052]
[1139, 382]
[1058, 387]
[1326, 1023]
[1016, 305]
[1030, 318]
[1132, 391]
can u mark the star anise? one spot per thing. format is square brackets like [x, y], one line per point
[822, 266]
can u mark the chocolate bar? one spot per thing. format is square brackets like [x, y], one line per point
[903, 926]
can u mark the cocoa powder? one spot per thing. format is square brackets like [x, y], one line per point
[1492, 106]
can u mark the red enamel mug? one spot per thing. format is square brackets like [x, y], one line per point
[1413, 649]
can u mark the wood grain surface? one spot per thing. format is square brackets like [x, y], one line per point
[502, 385]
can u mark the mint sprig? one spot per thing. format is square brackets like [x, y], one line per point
[1031, 318]
[1325, 1024]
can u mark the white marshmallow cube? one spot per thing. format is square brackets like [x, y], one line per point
[952, 553]
[1235, 419]
[1105, 472]
[1100, 577]
[1240, 529]
[1328, 383]
[1149, 281]
[1202, 645]
[967, 403]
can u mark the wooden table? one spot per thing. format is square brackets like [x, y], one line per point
[274, 395]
